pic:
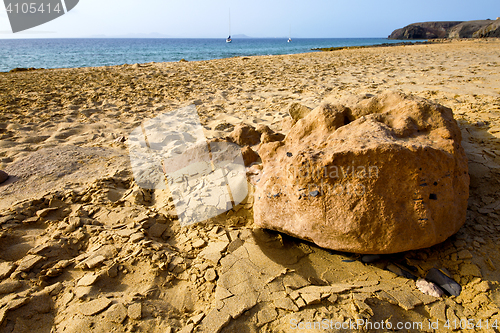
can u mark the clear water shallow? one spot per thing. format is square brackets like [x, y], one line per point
[68, 53]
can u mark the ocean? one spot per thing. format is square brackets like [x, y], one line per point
[91, 52]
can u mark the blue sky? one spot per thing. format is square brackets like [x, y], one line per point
[255, 18]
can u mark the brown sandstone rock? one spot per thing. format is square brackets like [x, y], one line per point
[384, 175]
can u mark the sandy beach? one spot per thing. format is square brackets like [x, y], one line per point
[84, 249]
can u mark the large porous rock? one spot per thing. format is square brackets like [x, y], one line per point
[383, 174]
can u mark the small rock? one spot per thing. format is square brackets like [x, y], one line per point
[266, 315]
[213, 251]
[134, 238]
[95, 261]
[245, 135]
[156, 230]
[249, 156]
[82, 292]
[482, 287]
[215, 321]
[210, 275]
[438, 311]
[311, 298]
[285, 303]
[199, 243]
[53, 289]
[116, 313]
[223, 126]
[405, 299]
[31, 220]
[87, 280]
[196, 319]
[135, 311]
[17, 303]
[66, 298]
[3, 176]
[314, 193]
[429, 288]
[470, 269]
[7, 287]
[6, 268]
[45, 212]
[28, 262]
[94, 307]
[464, 254]
[187, 329]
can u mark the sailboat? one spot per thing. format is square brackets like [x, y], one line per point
[289, 35]
[228, 39]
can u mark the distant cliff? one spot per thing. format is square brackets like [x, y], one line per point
[448, 29]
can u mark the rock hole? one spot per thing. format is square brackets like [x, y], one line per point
[433, 196]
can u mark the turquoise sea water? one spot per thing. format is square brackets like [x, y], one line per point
[58, 53]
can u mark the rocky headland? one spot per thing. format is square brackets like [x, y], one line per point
[448, 29]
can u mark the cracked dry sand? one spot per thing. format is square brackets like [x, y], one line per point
[84, 249]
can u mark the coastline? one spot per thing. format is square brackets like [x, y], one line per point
[74, 53]
[64, 133]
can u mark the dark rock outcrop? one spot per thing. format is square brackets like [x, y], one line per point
[467, 29]
[491, 30]
[448, 29]
[424, 30]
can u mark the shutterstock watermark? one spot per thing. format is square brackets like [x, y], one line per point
[205, 179]
[26, 14]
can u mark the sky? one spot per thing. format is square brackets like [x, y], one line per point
[254, 18]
